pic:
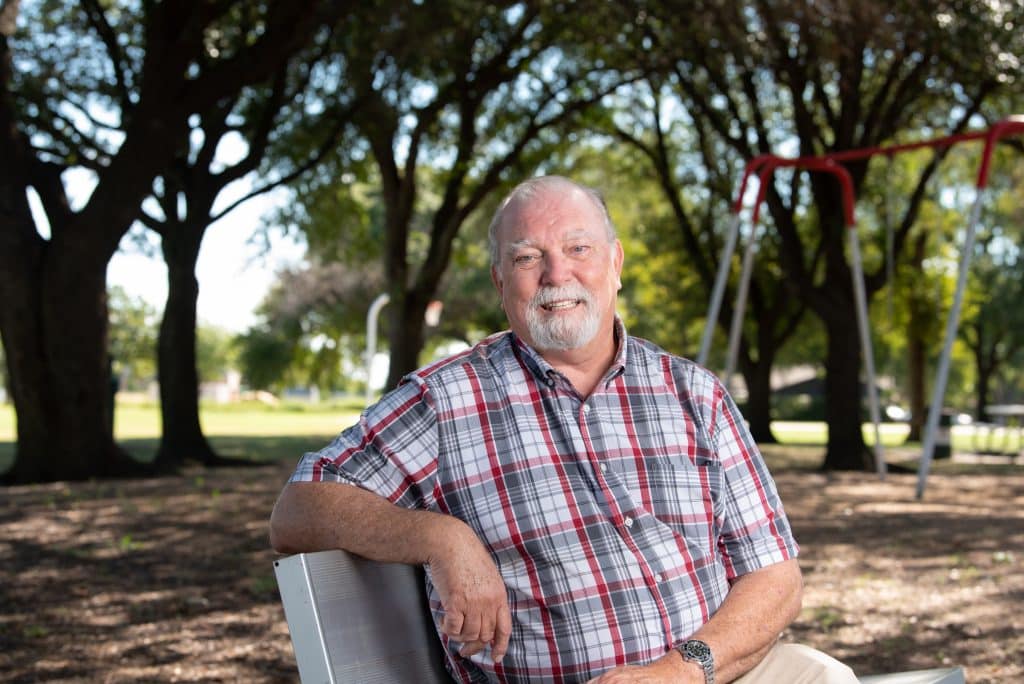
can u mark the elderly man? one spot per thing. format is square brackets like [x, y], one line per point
[588, 507]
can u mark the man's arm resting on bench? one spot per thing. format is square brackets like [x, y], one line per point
[317, 516]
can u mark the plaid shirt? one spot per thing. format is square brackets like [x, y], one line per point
[617, 522]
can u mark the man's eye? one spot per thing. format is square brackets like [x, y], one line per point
[525, 260]
[579, 250]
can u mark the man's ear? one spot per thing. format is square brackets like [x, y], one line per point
[496, 279]
[617, 259]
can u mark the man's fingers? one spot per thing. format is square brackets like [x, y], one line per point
[471, 648]
[496, 634]
[452, 623]
[487, 627]
[502, 631]
[470, 627]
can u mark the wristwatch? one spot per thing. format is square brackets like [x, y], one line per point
[696, 651]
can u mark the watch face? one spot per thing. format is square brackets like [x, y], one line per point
[697, 650]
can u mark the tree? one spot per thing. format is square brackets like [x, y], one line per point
[826, 78]
[133, 333]
[99, 88]
[452, 101]
[314, 317]
[190, 197]
[992, 326]
[674, 150]
[307, 318]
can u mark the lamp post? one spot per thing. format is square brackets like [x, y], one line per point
[371, 337]
[432, 317]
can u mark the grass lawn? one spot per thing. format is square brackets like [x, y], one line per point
[247, 430]
[266, 433]
[254, 420]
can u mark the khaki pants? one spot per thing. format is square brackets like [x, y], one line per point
[798, 664]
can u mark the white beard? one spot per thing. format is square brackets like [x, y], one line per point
[562, 333]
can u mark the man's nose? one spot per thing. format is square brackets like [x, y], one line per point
[557, 270]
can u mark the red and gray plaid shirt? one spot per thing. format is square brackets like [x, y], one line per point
[617, 522]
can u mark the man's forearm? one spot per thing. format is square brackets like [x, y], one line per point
[758, 608]
[316, 516]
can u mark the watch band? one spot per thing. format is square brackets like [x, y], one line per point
[696, 651]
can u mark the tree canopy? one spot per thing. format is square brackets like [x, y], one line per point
[108, 91]
[397, 125]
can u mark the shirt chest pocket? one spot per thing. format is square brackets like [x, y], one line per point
[673, 489]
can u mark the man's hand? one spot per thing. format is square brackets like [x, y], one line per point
[472, 593]
[668, 669]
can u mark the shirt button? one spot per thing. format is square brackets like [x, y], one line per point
[628, 522]
[604, 467]
[586, 408]
[659, 578]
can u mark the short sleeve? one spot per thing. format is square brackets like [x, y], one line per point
[755, 531]
[391, 451]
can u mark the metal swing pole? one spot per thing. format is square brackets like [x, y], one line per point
[736, 325]
[1012, 125]
[942, 373]
[725, 261]
[866, 348]
[371, 338]
[719, 290]
[766, 165]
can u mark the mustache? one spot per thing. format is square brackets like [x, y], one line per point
[548, 295]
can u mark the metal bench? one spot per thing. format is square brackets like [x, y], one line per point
[354, 621]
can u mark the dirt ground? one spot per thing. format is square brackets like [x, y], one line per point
[171, 580]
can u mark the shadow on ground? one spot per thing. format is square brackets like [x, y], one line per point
[171, 579]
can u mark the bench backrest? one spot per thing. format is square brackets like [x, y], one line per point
[357, 621]
[354, 621]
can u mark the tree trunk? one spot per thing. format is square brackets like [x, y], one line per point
[846, 449]
[53, 311]
[835, 304]
[405, 336]
[759, 398]
[916, 365]
[182, 437]
[985, 372]
[59, 381]
[917, 326]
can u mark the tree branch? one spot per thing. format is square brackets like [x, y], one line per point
[98, 20]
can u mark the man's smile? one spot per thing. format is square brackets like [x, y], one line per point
[560, 304]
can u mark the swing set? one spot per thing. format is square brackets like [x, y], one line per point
[764, 166]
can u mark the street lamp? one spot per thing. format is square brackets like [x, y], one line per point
[431, 317]
[371, 337]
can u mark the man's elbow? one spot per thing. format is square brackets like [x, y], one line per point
[797, 603]
[279, 538]
[796, 593]
[283, 532]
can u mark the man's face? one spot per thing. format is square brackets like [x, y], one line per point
[557, 274]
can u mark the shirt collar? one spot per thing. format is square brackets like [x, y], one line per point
[546, 374]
